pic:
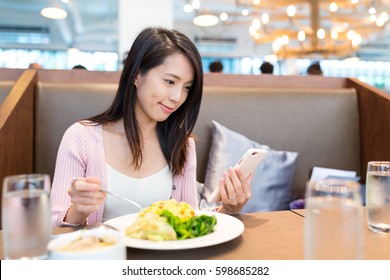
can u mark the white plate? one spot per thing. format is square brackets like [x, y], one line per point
[226, 229]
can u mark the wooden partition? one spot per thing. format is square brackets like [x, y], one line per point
[16, 130]
[374, 113]
[16, 127]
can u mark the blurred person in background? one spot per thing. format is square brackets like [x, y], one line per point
[266, 68]
[314, 69]
[79, 66]
[216, 67]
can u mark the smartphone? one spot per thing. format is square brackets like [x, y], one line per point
[247, 163]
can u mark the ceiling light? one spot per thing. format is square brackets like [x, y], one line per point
[205, 20]
[54, 13]
[188, 8]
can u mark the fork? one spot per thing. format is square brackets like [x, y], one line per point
[114, 194]
[122, 197]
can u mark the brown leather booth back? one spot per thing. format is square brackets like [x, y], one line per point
[322, 125]
[58, 105]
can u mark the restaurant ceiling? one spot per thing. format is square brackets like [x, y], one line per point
[92, 25]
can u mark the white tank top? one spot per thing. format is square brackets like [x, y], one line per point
[144, 191]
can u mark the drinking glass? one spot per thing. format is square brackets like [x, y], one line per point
[26, 216]
[333, 227]
[378, 196]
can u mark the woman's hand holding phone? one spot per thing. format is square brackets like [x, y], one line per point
[247, 164]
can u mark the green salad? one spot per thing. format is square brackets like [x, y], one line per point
[170, 220]
[189, 228]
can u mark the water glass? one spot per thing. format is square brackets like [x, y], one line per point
[333, 228]
[378, 196]
[26, 216]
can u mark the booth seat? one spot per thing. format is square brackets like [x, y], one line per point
[329, 122]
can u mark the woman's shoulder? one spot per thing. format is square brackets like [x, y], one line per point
[191, 146]
[84, 125]
[191, 140]
[83, 128]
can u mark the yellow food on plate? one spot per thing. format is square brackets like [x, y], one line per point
[170, 220]
[151, 227]
[179, 209]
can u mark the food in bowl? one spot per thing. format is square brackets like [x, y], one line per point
[97, 243]
[170, 220]
[84, 243]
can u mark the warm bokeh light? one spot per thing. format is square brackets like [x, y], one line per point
[301, 36]
[291, 10]
[333, 7]
[321, 34]
[334, 34]
[265, 18]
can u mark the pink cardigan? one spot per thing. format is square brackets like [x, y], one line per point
[81, 154]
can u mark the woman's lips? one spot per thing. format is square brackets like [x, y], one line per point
[166, 108]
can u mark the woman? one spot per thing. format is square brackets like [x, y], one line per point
[141, 146]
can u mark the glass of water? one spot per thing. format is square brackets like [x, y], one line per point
[378, 196]
[26, 216]
[333, 227]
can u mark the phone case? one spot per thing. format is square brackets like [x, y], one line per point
[248, 163]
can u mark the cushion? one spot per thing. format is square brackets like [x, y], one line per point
[271, 184]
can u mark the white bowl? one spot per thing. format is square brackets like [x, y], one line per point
[115, 251]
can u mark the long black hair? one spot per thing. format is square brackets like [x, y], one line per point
[150, 49]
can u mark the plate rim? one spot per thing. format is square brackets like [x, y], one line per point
[200, 242]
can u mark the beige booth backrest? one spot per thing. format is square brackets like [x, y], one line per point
[59, 105]
[321, 124]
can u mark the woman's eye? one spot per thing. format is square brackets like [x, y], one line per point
[188, 89]
[169, 82]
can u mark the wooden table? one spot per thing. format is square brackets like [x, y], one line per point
[268, 235]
